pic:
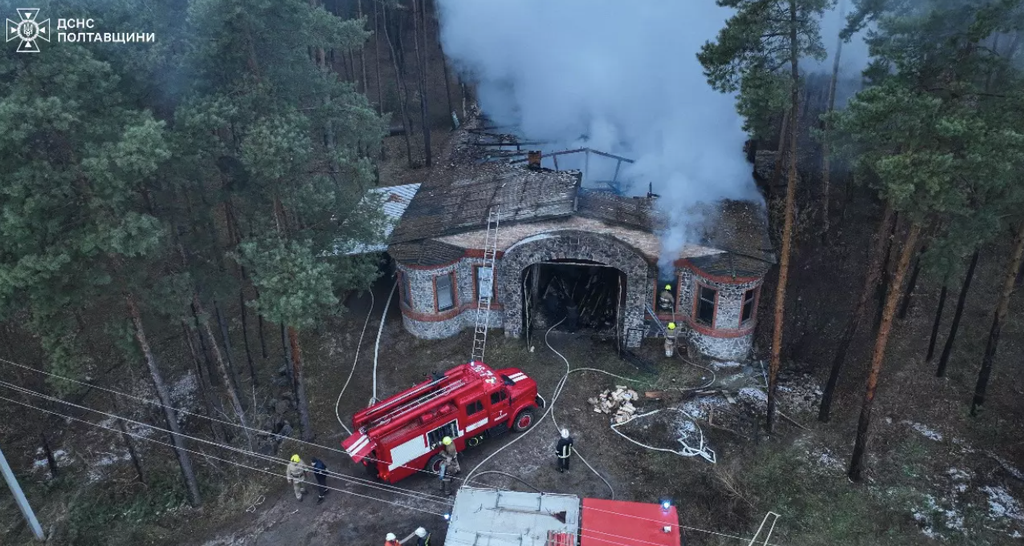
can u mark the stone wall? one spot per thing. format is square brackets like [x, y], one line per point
[421, 320]
[726, 339]
[575, 245]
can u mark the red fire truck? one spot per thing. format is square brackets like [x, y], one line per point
[401, 435]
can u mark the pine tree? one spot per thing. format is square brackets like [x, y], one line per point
[757, 55]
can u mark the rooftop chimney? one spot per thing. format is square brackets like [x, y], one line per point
[533, 159]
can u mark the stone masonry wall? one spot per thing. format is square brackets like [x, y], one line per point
[574, 245]
[421, 320]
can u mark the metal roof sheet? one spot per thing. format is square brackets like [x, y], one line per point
[393, 201]
[621, 523]
[489, 517]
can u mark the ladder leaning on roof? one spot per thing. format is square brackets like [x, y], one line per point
[485, 288]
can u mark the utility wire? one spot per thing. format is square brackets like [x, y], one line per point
[201, 454]
[342, 477]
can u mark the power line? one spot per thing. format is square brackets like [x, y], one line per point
[342, 477]
[201, 454]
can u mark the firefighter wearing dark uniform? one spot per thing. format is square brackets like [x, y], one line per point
[422, 537]
[320, 473]
[564, 450]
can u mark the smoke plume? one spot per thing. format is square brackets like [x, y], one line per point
[617, 76]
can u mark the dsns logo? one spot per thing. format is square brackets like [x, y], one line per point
[28, 29]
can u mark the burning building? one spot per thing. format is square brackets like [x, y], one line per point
[583, 256]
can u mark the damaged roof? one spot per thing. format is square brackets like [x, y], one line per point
[454, 205]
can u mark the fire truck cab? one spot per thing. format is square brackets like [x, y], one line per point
[401, 435]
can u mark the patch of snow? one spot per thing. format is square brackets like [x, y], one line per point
[1002, 505]
[730, 365]
[59, 456]
[932, 513]
[924, 431]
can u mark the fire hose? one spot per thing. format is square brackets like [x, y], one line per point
[355, 361]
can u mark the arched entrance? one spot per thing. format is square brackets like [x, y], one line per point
[575, 247]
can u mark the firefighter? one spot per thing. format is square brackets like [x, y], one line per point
[391, 540]
[449, 465]
[666, 301]
[320, 473]
[670, 340]
[296, 474]
[422, 537]
[564, 450]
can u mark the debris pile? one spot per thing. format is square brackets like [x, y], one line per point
[618, 403]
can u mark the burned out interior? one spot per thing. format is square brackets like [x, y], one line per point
[583, 295]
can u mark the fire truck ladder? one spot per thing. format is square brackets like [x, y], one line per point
[486, 286]
[415, 403]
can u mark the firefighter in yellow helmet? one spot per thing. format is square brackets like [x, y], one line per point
[296, 475]
[670, 340]
[449, 465]
[666, 301]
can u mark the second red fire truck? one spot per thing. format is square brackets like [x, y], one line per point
[401, 435]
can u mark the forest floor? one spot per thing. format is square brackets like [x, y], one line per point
[935, 475]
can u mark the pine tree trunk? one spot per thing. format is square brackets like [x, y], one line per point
[362, 47]
[300, 385]
[871, 277]
[947, 349]
[202, 346]
[51, 462]
[245, 337]
[883, 287]
[188, 474]
[424, 70]
[1012, 269]
[226, 338]
[787, 229]
[376, 58]
[935, 325]
[236, 402]
[878, 356]
[131, 451]
[826, 161]
[905, 302]
[209, 401]
[263, 341]
[400, 85]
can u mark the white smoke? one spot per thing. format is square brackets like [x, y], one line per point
[621, 74]
[853, 57]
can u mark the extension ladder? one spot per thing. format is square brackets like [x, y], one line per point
[485, 288]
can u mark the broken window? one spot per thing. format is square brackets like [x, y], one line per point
[435, 436]
[474, 407]
[406, 293]
[748, 306]
[706, 305]
[444, 286]
[484, 281]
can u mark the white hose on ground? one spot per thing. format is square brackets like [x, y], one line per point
[355, 361]
[376, 346]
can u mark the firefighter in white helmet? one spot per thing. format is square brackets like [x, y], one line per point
[391, 540]
[296, 475]
[670, 339]
[563, 450]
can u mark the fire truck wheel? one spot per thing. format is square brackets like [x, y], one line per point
[523, 421]
[434, 464]
[474, 441]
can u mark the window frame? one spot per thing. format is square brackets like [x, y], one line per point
[476, 283]
[435, 436]
[697, 300]
[437, 295]
[474, 407]
[498, 397]
[754, 293]
[405, 289]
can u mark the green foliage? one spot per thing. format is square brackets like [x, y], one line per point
[752, 54]
[295, 285]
